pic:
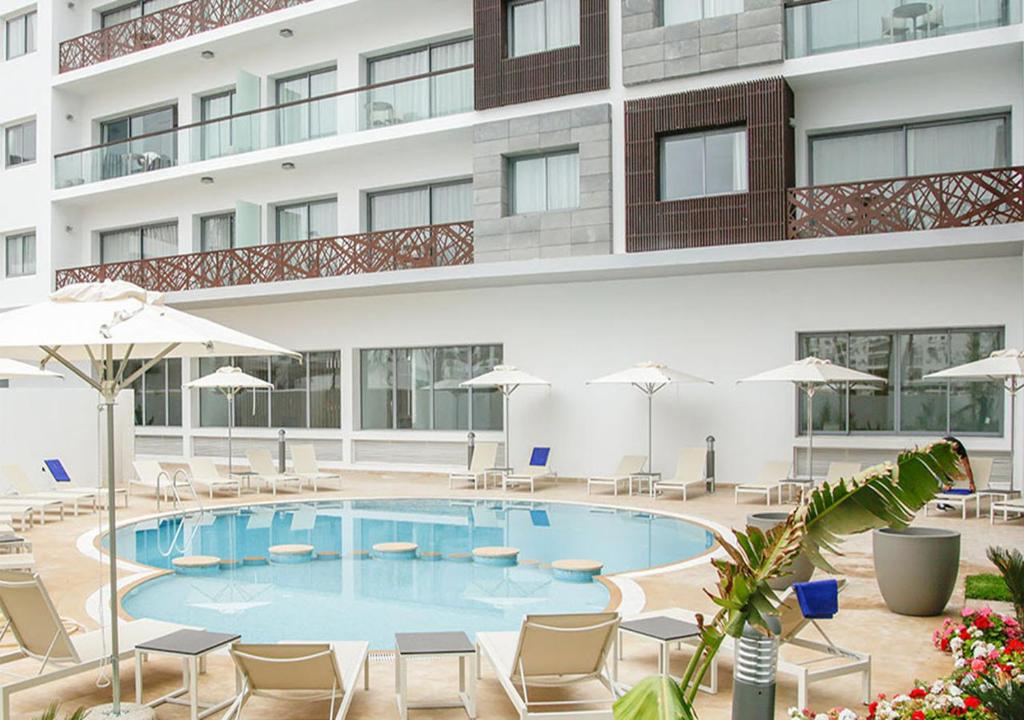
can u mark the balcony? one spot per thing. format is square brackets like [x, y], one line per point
[373, 252]
[395, 102]
[159, 28]
[925, 202]
[823, 26]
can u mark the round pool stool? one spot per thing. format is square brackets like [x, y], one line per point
[496, 555]
[395, 550]
[431, 556]
[229, 564]
[254, 560]
[361, 555]
[529, 561]
[460, 557]
[328, 555]
[290, 553]
[196, 565]
[576, 570]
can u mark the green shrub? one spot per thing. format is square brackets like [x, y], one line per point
[987, 586]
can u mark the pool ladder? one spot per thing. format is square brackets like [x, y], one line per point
[179, 506]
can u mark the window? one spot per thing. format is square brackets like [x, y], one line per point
[908, 150]
[674, 12]
[402, 102]
[306, 394]
[907, 403]
[306, 120]
[21, 35]
[124, 13]
[217, 232]
[420, 388]
[307, 220]
[20, 143]
[157, 393]
[139, 142]
[544, 182]
[139, 243]
[538, 25]
[21, 255]
[216, 137]
[703, 163]
[421, 205]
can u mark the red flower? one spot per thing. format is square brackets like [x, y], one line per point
[964, 635]
[918, 693]
[872, 709]
[945, 644]
[972, 702]
[1014, 645]
[982, 622]
[918, 715]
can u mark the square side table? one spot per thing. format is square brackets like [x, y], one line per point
[435, 644]
[192, 646]
[666, 631]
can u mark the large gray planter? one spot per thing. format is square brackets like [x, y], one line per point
[916, 568]
[801, 570]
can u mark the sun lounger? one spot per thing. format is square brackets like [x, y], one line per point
[689, 472]
[555, 651]
[150, 474]
[205, 473]
[24, 512]
[19, 487]
[42, 636]
[62, 482]
[261, 463]
[1007, 508]
[17, 561]
[960, 495]
[770, 479]
[836, 471]
[308, 470]
[629, 466]
[303, 672]
[485, 457]
[538, 469]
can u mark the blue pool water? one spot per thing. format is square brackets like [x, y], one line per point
[371, 599]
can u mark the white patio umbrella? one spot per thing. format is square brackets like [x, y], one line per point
[648, 378]
[229, 381]
[506, 378]
[808, 375]
[1005, 366]
[106, 325]
[11, 369]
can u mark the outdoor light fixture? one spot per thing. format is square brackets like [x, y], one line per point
[285, 32]
[69, 117]
[287, 166]
[207, 54]
[206, 180]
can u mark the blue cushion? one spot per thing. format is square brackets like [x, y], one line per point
[540, 518]
[819, 599]
[57, 470]
[539, 456]
[958, 491]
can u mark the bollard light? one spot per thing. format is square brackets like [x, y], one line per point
[753, 691]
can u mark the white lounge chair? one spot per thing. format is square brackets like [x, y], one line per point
[1006, 507]
[629, 466]
[151, 475]
[981, 467]
[689, 472]
[839, 470]
[45, 501]
[308, 470]
[261, 463]
[304, 672]
[62, 482]
[28, 511]
[538, 469]
[43, 637]
[770, 479]
[485, 457]
[16, 478]
[552, 651]
[17, 561]
[205, 473]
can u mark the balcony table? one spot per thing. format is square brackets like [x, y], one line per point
[912, 11]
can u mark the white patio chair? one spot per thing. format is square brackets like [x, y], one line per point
[538, 469]
[628, 467]
[981, 467]
[689, 472]
[204, 472]
[485, 457]
[770, 479]
[307, 469]
[151, 475]
[261, 463]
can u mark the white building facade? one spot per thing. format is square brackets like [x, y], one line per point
[412, 192]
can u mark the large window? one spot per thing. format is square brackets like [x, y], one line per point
[421, 205]
[544, 182]
[21, 35]
[420, 388]
[157, 393]
[216, 137]
[914, 149]
[307, 220]
[132, 10]
[538, 25]
[702, 163]
[401, 102]
[21, 255]
[139, 243]
[139, 142]
[20, 143]
[306, 394]
[217, 232]
[907, 403]
[674, 12]
[306, 120]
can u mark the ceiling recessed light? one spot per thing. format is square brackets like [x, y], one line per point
[206, 180]
[285, 32]
[287, 166]
[207, 55]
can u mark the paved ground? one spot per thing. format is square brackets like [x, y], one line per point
[900, 647]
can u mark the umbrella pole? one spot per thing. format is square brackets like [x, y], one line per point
[810, 434]
[508, 453]
[650, 434]
[1013, 430]
[109, 389]
[231, 422]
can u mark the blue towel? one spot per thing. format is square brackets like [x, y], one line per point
[958, 491]
[819, 599]
[57, 470]
[539, 456]
[540, 518]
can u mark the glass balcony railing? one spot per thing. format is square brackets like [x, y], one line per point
[824, 26]
[375, 106]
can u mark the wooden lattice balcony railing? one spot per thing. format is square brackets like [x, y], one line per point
[418, 247]
[925, 202]
[164, 26]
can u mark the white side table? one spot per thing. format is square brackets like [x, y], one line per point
[192, 646]
[435, 644]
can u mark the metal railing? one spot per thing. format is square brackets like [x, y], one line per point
[417, 247]
[924, 202]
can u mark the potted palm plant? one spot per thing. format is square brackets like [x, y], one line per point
[887, 497]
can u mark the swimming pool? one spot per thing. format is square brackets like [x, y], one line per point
[349, 596]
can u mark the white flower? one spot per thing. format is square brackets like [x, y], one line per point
[821, 716]
[847, 714]
[795, 714]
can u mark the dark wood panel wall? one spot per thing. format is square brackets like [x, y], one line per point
[765, 107]
[503, 80]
